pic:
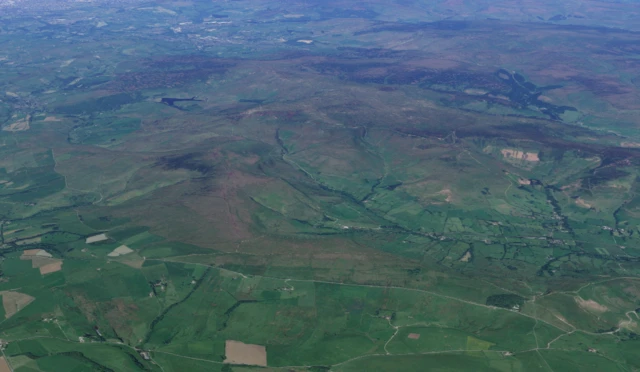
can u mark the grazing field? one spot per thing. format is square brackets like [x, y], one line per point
[120, 251]
[96, 238]
[50, 267]
[14, 302]
[240, 353]
[4, 367]
[319, 186]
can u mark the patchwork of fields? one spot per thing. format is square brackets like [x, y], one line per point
[319, 186]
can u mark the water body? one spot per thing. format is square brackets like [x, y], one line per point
[171, 101]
